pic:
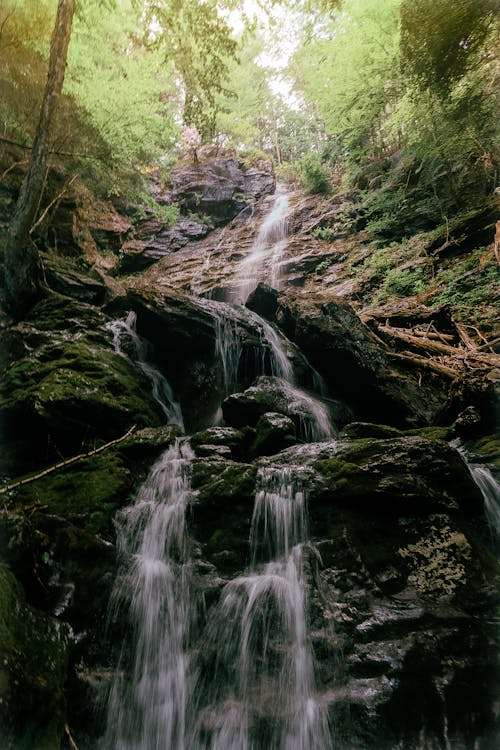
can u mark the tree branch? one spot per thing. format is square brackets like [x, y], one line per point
[56, 199]
[67, 462]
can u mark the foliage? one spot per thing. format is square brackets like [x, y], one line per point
[435, 60]
[313, 174]
[402, 282]
[324, 233]
[408, 92]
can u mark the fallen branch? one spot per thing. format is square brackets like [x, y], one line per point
[429, 364]
[464, 336]
[436, 347]
[66, 462]
[434, 335]
[71, 741]
[56, 199]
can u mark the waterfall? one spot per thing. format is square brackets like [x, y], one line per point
[262, 694]
[258, 693]
[231, 324]
[263, 261]
[128, 343]
[147, 706]
[490, 490]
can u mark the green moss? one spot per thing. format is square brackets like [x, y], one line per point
[91, 489]
[487, 450]
[216, 480]
[368, 430]
[434, 433]
[33, 668]
[341, 475]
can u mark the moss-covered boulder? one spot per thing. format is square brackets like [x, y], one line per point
[222, 510]
[65, 385]
[33, 672]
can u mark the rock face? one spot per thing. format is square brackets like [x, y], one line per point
[221, 186]
[399, 573]
[355, 364]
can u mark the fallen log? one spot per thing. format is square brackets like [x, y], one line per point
[429, 364]
[440, 349]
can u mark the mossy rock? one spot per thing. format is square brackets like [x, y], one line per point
[88, 491]
[65, 393]
[222, 511]
[400, 475]
[356, 430]
[33, 671]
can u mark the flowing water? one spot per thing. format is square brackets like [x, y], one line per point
[490, 490]
[147, 706]
[264, 259]
[128, 343]
[261, 695]
[257, 692]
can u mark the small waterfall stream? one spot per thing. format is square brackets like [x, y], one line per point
[147, 706]
[263, 261]
[263, 661]
[128, 343]
[490, 490]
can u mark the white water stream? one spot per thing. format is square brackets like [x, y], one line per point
[147, 705]
[260, 628]
[490, 490]
[265, 256]
[128, 343]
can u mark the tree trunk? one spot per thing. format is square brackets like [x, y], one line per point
[22, 265]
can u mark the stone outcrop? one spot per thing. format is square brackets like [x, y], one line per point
[221, 186]
[356, 364]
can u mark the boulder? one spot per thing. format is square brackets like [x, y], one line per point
[65, 385]
[264, 301]
[270, 394]
[356, 364]
[273, 433]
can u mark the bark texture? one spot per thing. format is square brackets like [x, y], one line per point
[22, 267]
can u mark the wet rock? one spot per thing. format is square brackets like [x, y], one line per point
[222, 510]
[33, 671]
[214, 451]
[264, 301]
[409, 474]
[270, 394]
[356, 430]
[355, 364]
[66, 385]
[273, 433]
[225, 437]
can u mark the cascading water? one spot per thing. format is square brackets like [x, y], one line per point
[147, 706]
[490, 490]
[128, 343]
[263, 261]
[262, 696]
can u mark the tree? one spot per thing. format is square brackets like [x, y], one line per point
[22, 274]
